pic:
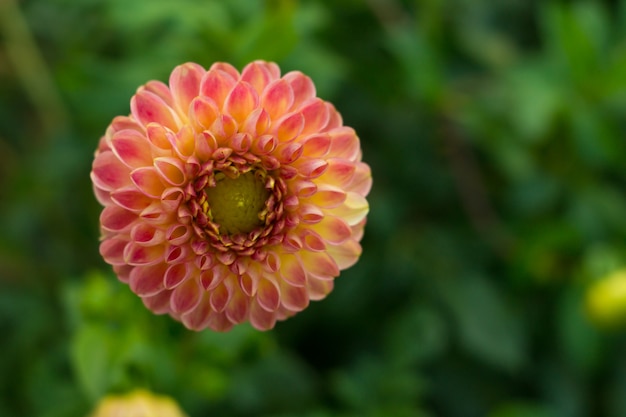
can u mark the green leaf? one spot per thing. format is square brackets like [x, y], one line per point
[488, 327]
[91, 353]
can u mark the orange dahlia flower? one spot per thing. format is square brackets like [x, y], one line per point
[230, 197]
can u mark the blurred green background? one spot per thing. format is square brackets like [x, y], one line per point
[496, 133]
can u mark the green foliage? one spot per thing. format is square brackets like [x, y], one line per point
[496, 132]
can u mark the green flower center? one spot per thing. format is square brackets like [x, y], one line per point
[237, 204]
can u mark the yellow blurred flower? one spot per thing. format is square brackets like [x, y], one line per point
[606, 299]
[138, 403]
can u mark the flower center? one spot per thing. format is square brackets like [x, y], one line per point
[237, 204]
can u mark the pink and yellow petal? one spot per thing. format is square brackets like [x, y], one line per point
[185, 85]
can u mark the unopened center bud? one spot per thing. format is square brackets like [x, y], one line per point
[236, 204]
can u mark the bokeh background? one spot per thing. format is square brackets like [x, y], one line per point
[496, 133]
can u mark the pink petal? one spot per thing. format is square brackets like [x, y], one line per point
[108, 173]
[339, 172]
[288, 152]
[223, 128]
[184, 142]
[335, 119]
[310, 168]
[289, 127]
[240, 142]
[311, 214]
[260, 318]
[332, 229]
[312, 241]
[257, 122]
[292, 241]
[200, 317]
[264, 145]
[241, 101]
[211, 278]
[238, 307]
[316, 145]
[123, 123]
[292, 271]
[178, 234]
[318, 289]
[277, 98]
[225, 67]
[132, 148]
[154, 214]
[131, 199]
[204, 262]
[143, 255]
[257, 74]
[147, 107]
[103, 196]
[304, 188]
[123, 272]
[205, 145]
[315, 115]
[158, 136]
[216, 84]
[218, 322]
[148, 181]
[319, 264]
[302, 86]
[146, 235]
[248, 282]
[362, 181]
[185, 85]
[353, 210]
[171, 198]
[328, 196]
[176, 255]
[158, 303]
[186, 296]
[112, 250]
[116, 219]
[176, 274]
[294, 299]
[344, 143]
[268, 295]
[220, 296]
[272, 262]
[203, 112]
[346, 254]
[147, 280]
[172, 170]
[159, 89]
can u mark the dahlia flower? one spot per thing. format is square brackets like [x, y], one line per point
[230, 197]
[139, 403]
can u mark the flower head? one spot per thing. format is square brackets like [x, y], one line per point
[230, 197]
[139, 403]
[606, 299]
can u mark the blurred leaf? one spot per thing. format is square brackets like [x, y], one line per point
[488, 327]
[415, 336]
[271, 38]
[535, 96]
[92, 355]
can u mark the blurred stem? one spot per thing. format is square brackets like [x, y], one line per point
[30, 67]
